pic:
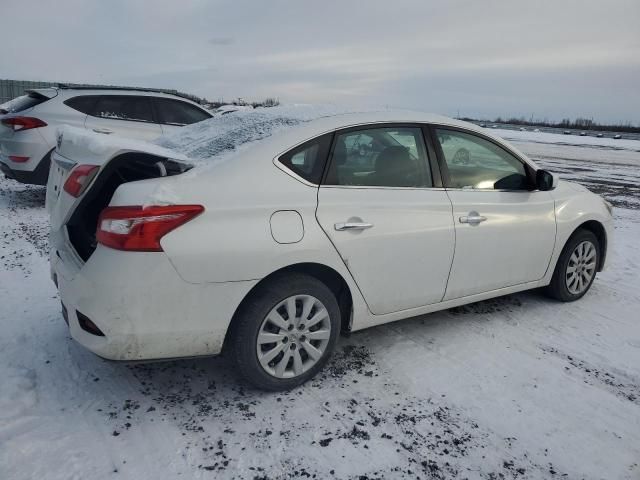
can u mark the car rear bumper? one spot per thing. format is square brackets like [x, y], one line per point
[30, 144]
[38, 176]
[144, 310]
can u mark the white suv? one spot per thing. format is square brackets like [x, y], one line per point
[28, 124]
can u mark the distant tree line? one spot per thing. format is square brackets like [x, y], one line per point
[267, 102]
[194, 98]
[577, 124]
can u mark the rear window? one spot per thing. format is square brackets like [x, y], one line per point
[175, 112]
[308, 159]
[22, 103]
[84, 104]
[124, 107]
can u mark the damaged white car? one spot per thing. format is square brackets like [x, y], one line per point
[340, 223]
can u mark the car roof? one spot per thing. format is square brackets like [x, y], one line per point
[262, 155]
[283, 141]
[344, 120]
[68, 91]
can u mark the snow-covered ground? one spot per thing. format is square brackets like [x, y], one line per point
[515, 387]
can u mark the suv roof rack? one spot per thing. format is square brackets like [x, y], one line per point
[85, 86]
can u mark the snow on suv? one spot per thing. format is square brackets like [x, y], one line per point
[28, 124]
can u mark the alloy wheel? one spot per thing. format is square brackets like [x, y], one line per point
[294, 336]
[581, 268]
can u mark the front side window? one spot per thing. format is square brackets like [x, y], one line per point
[124, 107]
[175, 112]
[380, 157]
[308, 160]
[473, 162]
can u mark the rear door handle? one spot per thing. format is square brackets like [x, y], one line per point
[474, 218]
[103, 130]
[352, 226]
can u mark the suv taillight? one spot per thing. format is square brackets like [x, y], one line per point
[17, 124]
[79, 179]
[134, 228]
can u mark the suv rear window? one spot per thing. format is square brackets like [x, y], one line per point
[22, 103]
[83, 103]
[124, 107]
[175, 112]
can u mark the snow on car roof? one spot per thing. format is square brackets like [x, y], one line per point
[211, 141]
[74, 142]
[294, 124]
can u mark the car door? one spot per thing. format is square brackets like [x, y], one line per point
[388, 220]
[130, 116]
[173, 114]
[505, 229]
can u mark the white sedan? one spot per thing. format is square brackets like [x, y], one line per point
[342, 223]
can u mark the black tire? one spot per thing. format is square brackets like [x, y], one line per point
[558, 288]
[248, 321]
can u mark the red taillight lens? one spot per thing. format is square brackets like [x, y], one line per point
[140, 229]
[23, 123]
[79, 179]
[18, 158]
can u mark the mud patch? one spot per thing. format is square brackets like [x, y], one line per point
[24, 202]
[388, 434]
[37, 235]
[20, 196]
[499, 304]
[350, 359]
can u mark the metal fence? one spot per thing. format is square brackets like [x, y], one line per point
[10, 89]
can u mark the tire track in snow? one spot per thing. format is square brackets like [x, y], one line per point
[618, 383]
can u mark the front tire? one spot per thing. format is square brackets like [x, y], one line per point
[285, 332]
[576, 268]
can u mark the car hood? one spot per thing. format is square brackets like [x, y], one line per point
[572, 186]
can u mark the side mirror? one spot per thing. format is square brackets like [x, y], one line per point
[545, 180]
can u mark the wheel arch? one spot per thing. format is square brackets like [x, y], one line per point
[599, 231]
[327, 275]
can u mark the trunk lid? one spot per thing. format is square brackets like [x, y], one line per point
[118, 160]
[58, 202]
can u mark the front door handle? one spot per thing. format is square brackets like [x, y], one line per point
[103, 130]
[352, 226]
[474, 218]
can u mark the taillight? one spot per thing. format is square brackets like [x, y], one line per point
[79, 179]
[23, 123]
[140, 229]
[18, 158]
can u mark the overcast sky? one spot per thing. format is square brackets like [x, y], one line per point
[473, 58]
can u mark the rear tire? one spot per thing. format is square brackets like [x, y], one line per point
[576, 268]
[285, 332]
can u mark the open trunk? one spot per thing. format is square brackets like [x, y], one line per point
[130, 167]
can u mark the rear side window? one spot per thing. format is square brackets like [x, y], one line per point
[380, 157]
[175, 112]
[124, 107]
[84, 104]
[22, 103]
[308, 159]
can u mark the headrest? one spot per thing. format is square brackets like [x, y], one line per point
[393, 158]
